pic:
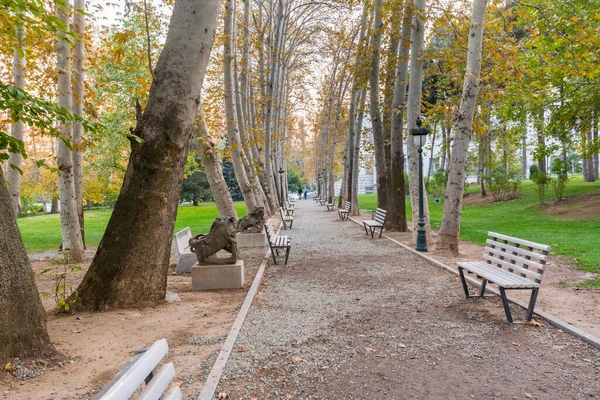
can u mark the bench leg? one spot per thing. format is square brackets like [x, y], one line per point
[274, 257]
[505, 304]
[482, 289]
[464, 282]
[366, 231]
[532, 301]
[287, 255]
[372, 232]
[381, 232]
[291, 223]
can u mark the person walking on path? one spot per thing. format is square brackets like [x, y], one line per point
[305, 194]
[300, 194]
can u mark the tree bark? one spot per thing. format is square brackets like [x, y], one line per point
[397, 202]
[414, 112]
[17, 130]
[450, 227]
[72, 242]
[22, 316]
[78, 109]
[214, 172]
[524, 155]
[596, 143]
[355, 211]
[541, 144]
[376, 123]
[130, 266]
[238, 157]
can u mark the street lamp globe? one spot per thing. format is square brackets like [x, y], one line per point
[419, 133]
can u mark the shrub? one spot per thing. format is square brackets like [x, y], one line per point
[436, 185]
[503, 184]
[533, 170]
[541, 180]
[559, 183]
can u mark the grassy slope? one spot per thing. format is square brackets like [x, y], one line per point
[523, 218]
[42, 233]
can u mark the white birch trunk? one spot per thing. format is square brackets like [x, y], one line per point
[17, 130]
[414, 112]
[450, 228]
[233, 133]
[69, 221]
[355, 211]
[78, 102]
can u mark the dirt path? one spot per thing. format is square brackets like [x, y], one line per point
[355, 318]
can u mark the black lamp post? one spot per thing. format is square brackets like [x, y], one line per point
[319, 185]
[419, 134]
[281, 171]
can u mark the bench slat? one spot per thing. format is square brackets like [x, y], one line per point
[499, 276]
[159, 383]
[527, 243]
[371, 222]
[532, 265]
[520, 250]
[173, 394]
[517, 270]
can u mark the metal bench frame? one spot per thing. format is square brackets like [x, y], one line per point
[286, 219]
[378, 222]
[516, 263]
[272, 238]
[343, 214]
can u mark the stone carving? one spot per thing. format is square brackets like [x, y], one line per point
[222, 236]
[252, 222]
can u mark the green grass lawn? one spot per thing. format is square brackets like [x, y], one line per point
[42, 233]
[524, 218]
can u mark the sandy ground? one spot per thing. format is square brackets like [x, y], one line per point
[98, 345]
[357, 318]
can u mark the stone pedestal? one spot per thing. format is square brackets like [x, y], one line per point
[210, 277]
[251, 239]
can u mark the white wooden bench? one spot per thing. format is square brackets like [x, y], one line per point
[371, 225]
[331, 206]
[140, 370]
[323, 201]
[286, 219]
[289, 208]
[512, 264]
[316, 198]
[277, 242]
[181, 244]
[343, 214]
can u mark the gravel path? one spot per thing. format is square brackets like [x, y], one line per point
[353, 318]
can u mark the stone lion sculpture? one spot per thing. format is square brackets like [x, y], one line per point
[252, 222]
[222, 236]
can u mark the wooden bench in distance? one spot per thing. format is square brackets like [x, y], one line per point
[286, 219]
[371, 225]
[343, 214]
[140, 370]
[330, 206]
[181, 241]
[322, 201]
[512, 264]
[277, 242]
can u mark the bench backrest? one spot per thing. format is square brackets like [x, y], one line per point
[283, 216]
[269, 230]
[348, 206]
[380, 215]
[139, 370]
[521, 257]
[182, 240]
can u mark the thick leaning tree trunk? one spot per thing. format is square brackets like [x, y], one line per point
[17, 129]
[378, 139]
[414, 112]
[397, 202]
[214, 173]
[355, 210]
[22, 317]
[130, 266]
[72, 240]
[238, 158]
[78, 102]
[450, 227]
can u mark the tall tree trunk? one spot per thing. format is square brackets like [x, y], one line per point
[78, 102]
[444, 144]
[355, 211]
[524, 155]
[482, 158]
[22, 316]
[233, 133]
[130, 266]
[433, 137]
[450, 227]
[397, 205]
[17, 130]
[596, 144]
[214, 173]
[541, 144]
[414, 112]
[376, 123]
[72, 241]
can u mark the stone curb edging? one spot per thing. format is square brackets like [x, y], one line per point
[212, 381]
[552, 320]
